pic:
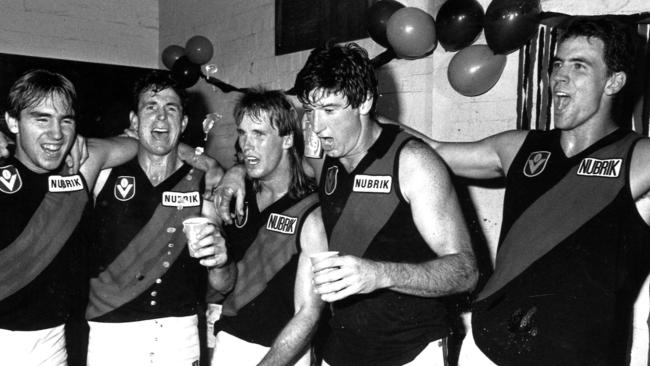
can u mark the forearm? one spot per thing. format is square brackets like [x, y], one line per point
[223, 279]
[295, 338]
[446, 275]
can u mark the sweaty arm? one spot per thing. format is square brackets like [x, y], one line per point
[484, 159]
[106, 153]
[204, 162]
[426, 185]
[294, 340]
[640, 178]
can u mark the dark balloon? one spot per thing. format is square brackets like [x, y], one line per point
[458, 23]
[170, 54]
[199, 50]
[411, 33]
[509, 24]
[475, 69]
[377, 17]
[185, 72]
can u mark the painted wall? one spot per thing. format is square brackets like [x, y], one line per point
[416, 93]
[113, 32]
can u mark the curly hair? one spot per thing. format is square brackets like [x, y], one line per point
[155, 81]
[332, 69]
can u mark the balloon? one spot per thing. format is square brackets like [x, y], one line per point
[411, 33]
[170, 54]
[475, 69]
[185, 72]
[458, 23]
[199, 50]
[377, 17]
[510, 23]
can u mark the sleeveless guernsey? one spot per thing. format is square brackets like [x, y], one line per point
[572, 257]
[365, 215]
[266, 246]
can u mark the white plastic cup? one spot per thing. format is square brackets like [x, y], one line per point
[317, 257]
[192, 226]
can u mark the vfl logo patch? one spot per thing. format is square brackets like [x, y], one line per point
[178, 199]
[240, 221]
[10, 181]
[372, 183]
[331, 179]
[124, 188]
[57, 183]
[282, 224]
[608, 168]
[536, 163]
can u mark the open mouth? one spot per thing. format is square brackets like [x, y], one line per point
[52, 149]
[159, 133]
[561, 100]
[327, 143]
[251, 160]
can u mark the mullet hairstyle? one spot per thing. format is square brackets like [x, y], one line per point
[37, 85]
[156, 81]
[332, 69]
[259, 103]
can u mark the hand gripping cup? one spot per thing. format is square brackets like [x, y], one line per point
[192, 226]
[317, 257]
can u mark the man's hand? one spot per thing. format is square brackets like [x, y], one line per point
[210, 246]
[232, 184]
[5, 141]
[338, 277]
[78, 155]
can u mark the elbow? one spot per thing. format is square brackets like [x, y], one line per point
[470, 273]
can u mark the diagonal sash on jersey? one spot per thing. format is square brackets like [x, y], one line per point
[145, 258]
[41, 240]
[568, 205]
[365, 214]
[265, 257]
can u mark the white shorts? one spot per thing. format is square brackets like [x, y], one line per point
[32, 348]
[166, 341]
[231, 350]
[432, 355]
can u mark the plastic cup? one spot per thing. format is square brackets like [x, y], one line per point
[317, 257]
[192, 226]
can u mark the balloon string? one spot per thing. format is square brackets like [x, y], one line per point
[377, 62]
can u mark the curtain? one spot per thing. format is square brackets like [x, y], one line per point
[534, 94]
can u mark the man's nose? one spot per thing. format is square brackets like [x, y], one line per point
[55, 130]
[317, 122]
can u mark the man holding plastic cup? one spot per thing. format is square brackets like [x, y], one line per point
[147, 287]
[271, 311]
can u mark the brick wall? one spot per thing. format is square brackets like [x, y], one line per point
[112, 32]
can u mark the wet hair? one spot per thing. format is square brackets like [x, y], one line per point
[156, 81]
[332, 68]
[259, 103]
[619, 46]
[35, 86]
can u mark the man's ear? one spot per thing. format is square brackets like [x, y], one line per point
[366, 106]
[615, 83]
[12, 123]
[135, 122]
[287, 141]
[183, 123]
